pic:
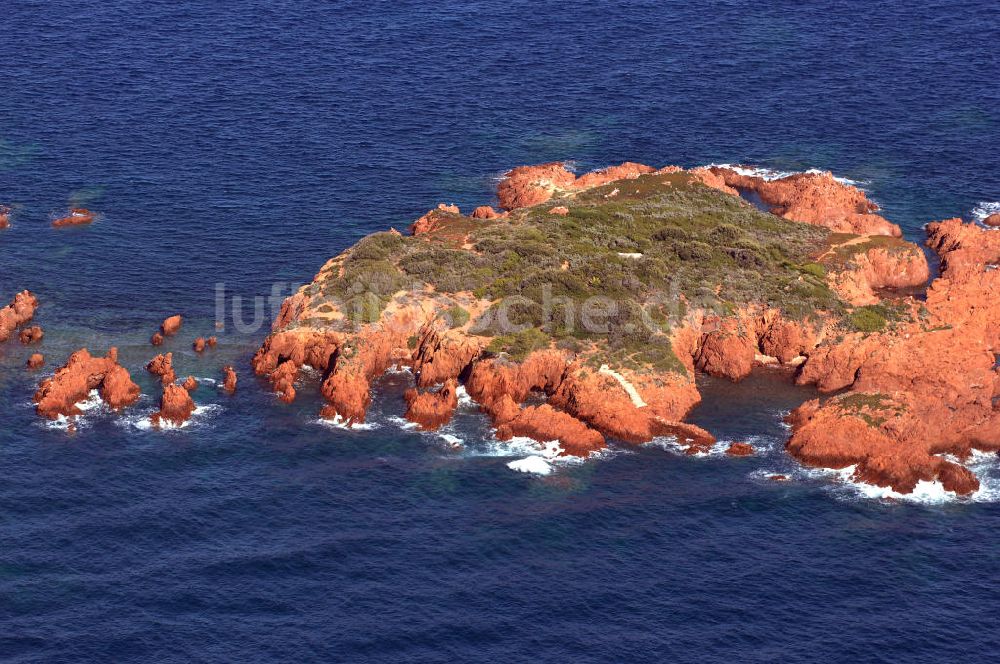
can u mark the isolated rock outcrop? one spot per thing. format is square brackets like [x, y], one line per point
[162, 366]
[176, 406]
[171, 325]
[72, 383]
[20, 311]
[76, 217]
[31, 335]
[702, 280]
[229, 379]
[36, 361]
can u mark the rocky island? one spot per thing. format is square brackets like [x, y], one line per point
[602, 295]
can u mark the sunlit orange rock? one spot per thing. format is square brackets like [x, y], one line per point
[76, 217]
[432, 410]
[72, 383]
[162, 366]
[36, 361]
[739, 449]
[31, 335]
[17, 313]
[229, 380]
[212, 342]
[156, 339]
[525, 186]
[4, 216]
[485, 212]
[176, 406]
[625, 171]
[434, 219]
[993, 219]
[199, 345]
[283, 379]
[814, 198]
[190, 384]
[560, 210]
[544, 424]
[171, 325]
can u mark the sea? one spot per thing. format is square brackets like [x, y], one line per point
[231, 148]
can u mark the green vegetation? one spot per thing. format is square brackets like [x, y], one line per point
[873, 408]
[700, 248]
[456, 316]
[867, 319]
[876, 317]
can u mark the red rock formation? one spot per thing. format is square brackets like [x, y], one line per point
[300, 347]
[199, 345]
[993, 219]
[814, 198]
[740, 449]
[176, 406]
[18, 312]
[434, 219]
[778, 478]
[560, 210]
[59, 395]
[544, 423]
[212, 342]
[485, 212]
[4, 216]
[229, 382]
[162, 366]
[171, 325]
[525, 186]
[626, 171]
[283, 379]
[190, 384]
[920, 390]
[156, 339]
[36, 361]
[441, 356]
[885, 263]
[432, 410]
[76, 217]
[728, 351]
[117, 389]
[31, 335]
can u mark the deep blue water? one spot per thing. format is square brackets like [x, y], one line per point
[246, 143]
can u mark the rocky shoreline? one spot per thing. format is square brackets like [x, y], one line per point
[913, 377]
[582, 310]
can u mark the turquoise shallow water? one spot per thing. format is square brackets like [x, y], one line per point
[244, 146]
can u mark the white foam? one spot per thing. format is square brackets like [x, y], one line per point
[925, 493]
[771, 174]
[396, 370]
[464, 400]
[338, 422]
[452, 440]
[535, 465]
[144, 421]
[402, 423]
[985, 209]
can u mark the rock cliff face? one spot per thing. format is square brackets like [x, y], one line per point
[701, 280]
[72, 383]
